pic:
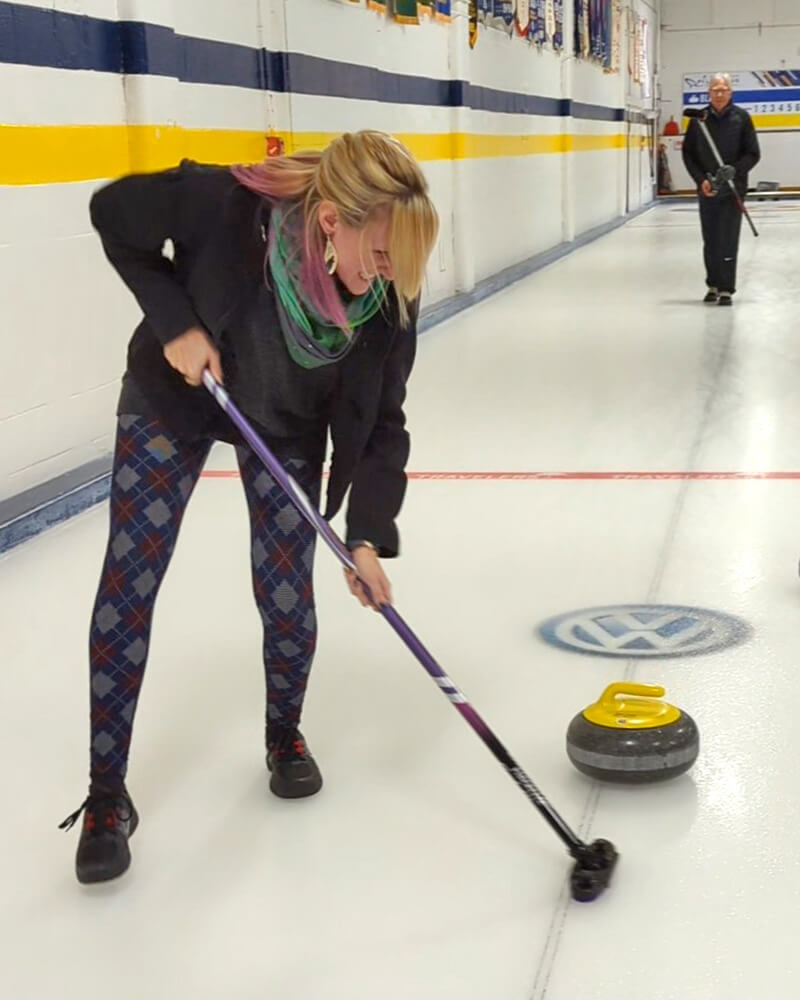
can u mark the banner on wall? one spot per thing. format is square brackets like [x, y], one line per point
[444, 11]
[645, 73]
[631, 27]
[502, 16]
[538, 28]
[473, 23]
[558, 25]
[522, 16]
[637, 52]
[379, 5]
[770, 93]
[406, 12]
[427, 7]
[605, 31]
[616, 35]
[584, 35]
[549, 19]
[595, 29]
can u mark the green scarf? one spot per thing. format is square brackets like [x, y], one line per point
[311, 340]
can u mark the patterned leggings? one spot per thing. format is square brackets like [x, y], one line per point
[153, 477]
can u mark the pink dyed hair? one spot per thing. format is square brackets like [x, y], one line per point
[364, 174]
[273, 181]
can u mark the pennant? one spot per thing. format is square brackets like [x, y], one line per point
[595, 45]
[427, 7]
[485, 11]
[558, 34]
[616, 35]
[533, 20]
[522, 16]
[379, 5]
[645, 70]
[473, 23]
[503, 16]
[585, 32]
[631, 30]
[444, 11]
[538, 30]
[549, 20]
[405, 12]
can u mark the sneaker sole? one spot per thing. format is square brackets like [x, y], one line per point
[294, 789]
[105, 874]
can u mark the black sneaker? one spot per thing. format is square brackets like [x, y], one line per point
[711, 295]
[294, 771]
[110, 818]
[725, 299]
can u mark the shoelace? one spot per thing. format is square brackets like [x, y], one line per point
[111, 807]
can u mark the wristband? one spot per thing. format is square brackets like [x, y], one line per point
[363, 541]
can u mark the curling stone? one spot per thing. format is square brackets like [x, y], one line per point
[630, 736]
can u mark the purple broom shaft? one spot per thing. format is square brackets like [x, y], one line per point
[340, 550]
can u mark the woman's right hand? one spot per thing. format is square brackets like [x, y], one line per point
[191, 353]
[707, 189]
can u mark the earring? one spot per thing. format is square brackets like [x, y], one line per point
[331, 257]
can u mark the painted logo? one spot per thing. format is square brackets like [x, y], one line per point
[646, 631]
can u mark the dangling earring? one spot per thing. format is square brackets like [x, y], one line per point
[331, 257]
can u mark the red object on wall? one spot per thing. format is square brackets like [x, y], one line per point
[274, 145]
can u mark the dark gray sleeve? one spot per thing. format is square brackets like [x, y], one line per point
[750, 152]
[379, 481]
[690, 153]
[137, 214]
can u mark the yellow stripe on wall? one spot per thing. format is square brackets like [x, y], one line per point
[471, 146]
[53, 154]
[776, 121]
[766, 121]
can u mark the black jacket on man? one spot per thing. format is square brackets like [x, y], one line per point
[735, 137]
[216, 227]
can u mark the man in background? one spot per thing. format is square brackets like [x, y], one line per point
[734, 135]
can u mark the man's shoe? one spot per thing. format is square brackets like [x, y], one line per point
[294, 771]
[109, 820]
[725, 299]
[711, 295]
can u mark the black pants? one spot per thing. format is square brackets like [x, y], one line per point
[721, 222]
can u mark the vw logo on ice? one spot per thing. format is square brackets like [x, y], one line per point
[648, 631]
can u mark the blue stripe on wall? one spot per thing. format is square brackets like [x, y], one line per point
[773, 95]
[39, 37]
[34, 37]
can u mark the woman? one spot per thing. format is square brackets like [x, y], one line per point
[296, 282]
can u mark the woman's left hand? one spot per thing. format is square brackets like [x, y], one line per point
[370, 571]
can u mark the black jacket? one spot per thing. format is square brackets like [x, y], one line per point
[215, 226]
[735, 137]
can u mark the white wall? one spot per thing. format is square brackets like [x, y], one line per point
[729, 36]
[66, 317]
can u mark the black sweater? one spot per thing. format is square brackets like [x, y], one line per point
[215, 226]
[735, 137]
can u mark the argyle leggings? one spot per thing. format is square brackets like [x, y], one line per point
[153, 477]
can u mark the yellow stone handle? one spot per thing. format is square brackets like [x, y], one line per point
[612, 703]
[629, 705]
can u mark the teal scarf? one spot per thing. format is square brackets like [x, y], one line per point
[311, 340]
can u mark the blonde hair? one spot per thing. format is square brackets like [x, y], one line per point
[367, 175]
